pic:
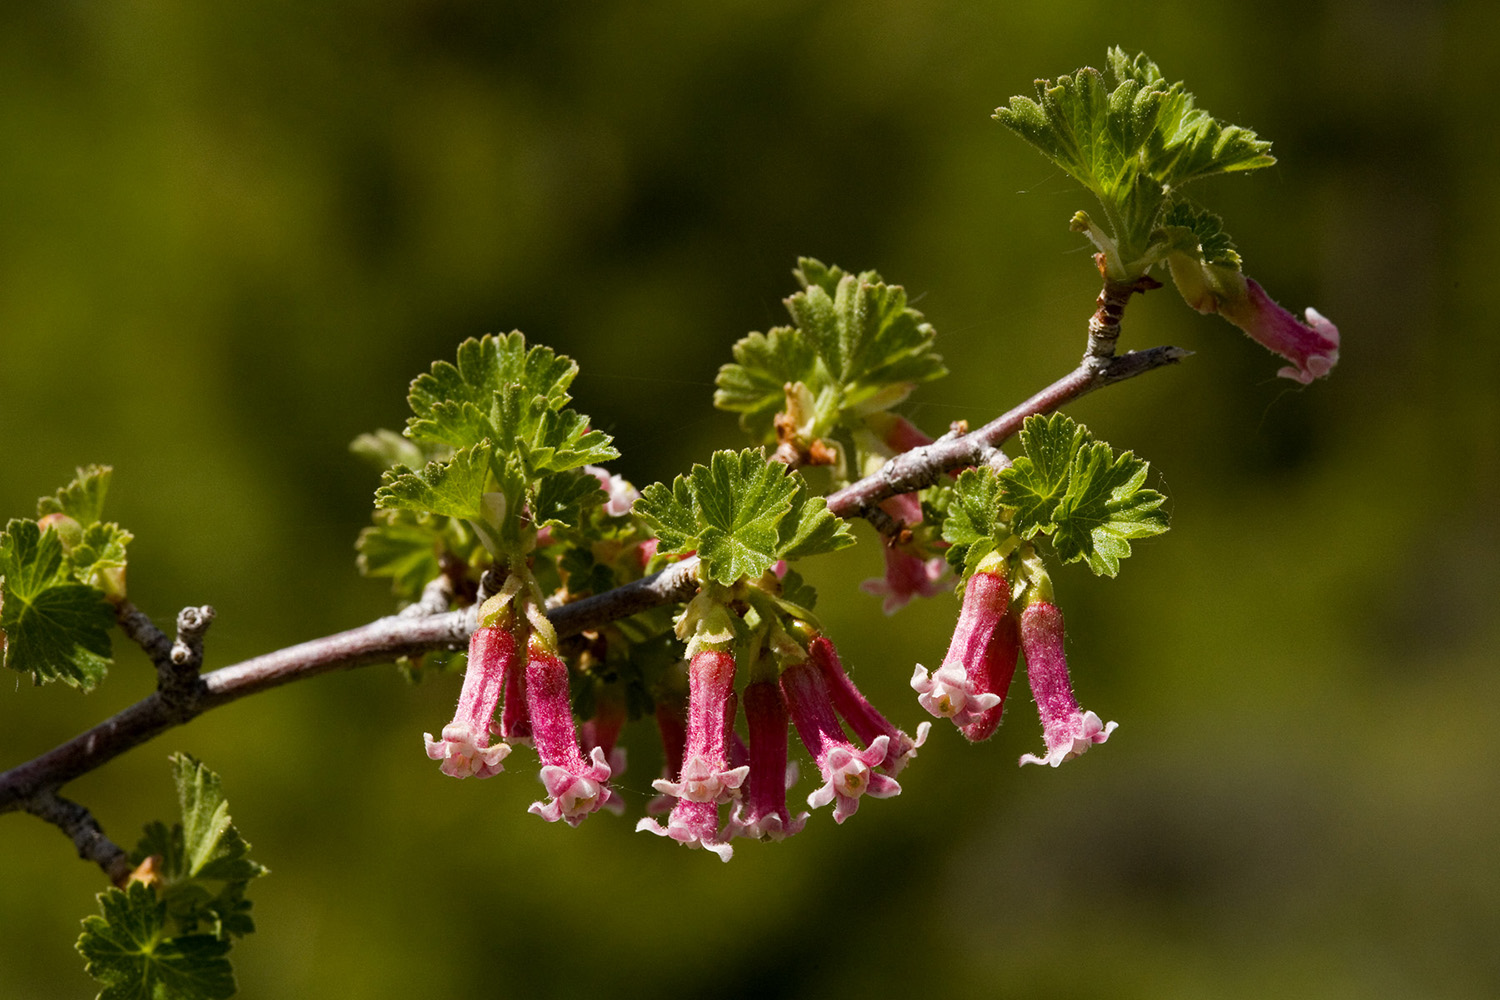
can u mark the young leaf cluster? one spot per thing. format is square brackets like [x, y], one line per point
[1076, 490]
[58, 577]
[168, 935]
[1134, 140]
[497, 445]
[741, 514]
[856, 348]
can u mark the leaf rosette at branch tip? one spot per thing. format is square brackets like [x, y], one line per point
[60, 578]
[856, 349]
[740, 513]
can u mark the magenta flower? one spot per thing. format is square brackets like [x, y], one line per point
[465, 748]
[907, 573]
[706, 775]
[866, 721]
[706, 779]
[970, 686]
[847, 771]
[1066, 731]
[765, 815]
[576, 787]
[1312, 347]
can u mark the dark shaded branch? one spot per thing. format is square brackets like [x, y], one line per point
[85, 832]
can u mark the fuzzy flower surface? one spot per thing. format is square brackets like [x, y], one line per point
[848, 772]
[1067, 731]
[764, 814]
[575, 786]
[465, 747]
[1312, 347]
[963, 689]
[855, 709]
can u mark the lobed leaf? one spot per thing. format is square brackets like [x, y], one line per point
[55, 628]
[128, 951]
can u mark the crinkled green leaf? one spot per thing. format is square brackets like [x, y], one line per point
[562, 498]
[797, 592]
[1199, 233]
[740, 513]
[1131, 138]
[809, 528]
[128, 951]
[457, 405]
[454, 487]
[856, 346]
[204, 864]
[99, 558]
[740, 500]
[671, 515]
[55, 628]
[975, 519]
[1105, 507]
[1038, 479]
[562, 441]
[407, 551]
[754, 385]
[82, 499]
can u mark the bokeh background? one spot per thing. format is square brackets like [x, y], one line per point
[231, 233]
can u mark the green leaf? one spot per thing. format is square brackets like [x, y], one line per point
[561, 441]
[671, 515]
[454, 487]
[457, 404]
[754, 386]
[563, 497]
[82, 499]
[1200, 234]
[740, 500]
[975, 519]
[128, 951]
[403, 549]
[809, 528]
[99, 558]
[741, 514]
[1131, 138]
[1037, 481]
[1105, 507]
[856, 346]
[55, 628]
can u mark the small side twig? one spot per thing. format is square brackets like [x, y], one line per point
[85, 832]
[142, 631]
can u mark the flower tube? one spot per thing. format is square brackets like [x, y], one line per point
[1066, 730]
[848, 772]
[465, 747]
[576, 787]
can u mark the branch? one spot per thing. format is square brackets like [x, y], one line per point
[183, 695]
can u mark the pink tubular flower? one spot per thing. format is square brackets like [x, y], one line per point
[847, 771]
[765, 816]
[866, 721]
[970, 686]
[465, 748]
[706, 775]
[577, 787]
[706, 778]
[1311, 347]
[1067, 731]
[907, 574]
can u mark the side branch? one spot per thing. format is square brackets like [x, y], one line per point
[922, 467]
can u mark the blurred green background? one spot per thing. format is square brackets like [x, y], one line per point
[231, 233]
